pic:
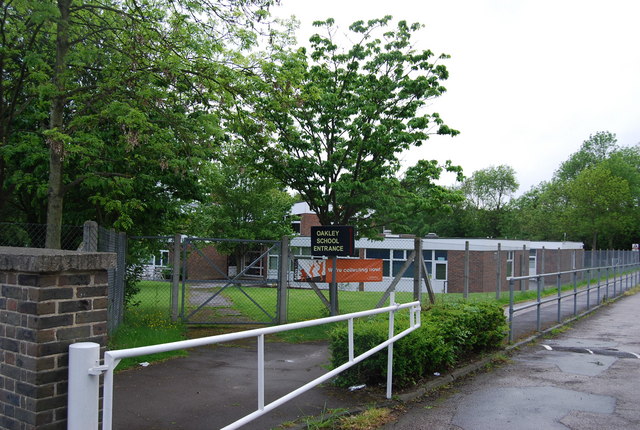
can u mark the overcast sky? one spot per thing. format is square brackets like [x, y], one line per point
[530, 80]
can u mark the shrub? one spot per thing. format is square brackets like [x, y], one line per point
[132, 277]
[449, 332]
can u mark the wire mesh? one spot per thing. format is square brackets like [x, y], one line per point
[22, 235]
[229, 281]
[309, 278]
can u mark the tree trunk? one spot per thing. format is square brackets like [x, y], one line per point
[56, 125]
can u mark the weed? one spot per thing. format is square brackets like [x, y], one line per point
[326, 420]
[372, 418]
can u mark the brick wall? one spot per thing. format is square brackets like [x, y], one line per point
[306, 222]
[49, 299]
[483, 267]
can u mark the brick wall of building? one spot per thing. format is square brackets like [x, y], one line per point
[483, 268]
[48, 300]
[306, 222]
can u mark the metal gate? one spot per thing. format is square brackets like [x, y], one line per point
[229, 281]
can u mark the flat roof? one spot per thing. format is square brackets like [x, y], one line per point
[452, 244]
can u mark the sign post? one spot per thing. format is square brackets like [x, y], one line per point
[333, 288]
[332, 241]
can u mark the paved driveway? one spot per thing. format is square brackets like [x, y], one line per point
[586, 378]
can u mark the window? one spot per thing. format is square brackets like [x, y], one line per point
[378, 253]
[510, 255]
[437, 258]
[160, 259]
[393, 260]
[273, 262]
[440, 256]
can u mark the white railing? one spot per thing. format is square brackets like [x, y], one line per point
[84, 367]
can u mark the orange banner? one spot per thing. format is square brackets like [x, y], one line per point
[347, 270]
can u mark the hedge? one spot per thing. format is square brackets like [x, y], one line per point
[449, 333]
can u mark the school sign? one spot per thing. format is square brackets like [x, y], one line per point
[332, 240]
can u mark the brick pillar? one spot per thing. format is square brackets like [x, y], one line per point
[49, 299]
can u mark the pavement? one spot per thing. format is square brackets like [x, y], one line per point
[215, 386]
[587, 377]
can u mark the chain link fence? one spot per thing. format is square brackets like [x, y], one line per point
[34, 235]
[108, 240]
[149, 289]
[223, 281]
[230, 281]
[388, 266]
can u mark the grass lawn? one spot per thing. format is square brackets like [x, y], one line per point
[148, 322]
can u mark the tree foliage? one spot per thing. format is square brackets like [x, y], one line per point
[491, 188]
[123, 102]
[593, 197]
[596, 149]
[331, 123]
[241, 203]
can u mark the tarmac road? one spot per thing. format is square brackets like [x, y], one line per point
[215, 386]
[586, 378]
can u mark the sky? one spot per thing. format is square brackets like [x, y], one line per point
[530, 80]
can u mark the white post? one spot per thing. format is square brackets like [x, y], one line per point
[392, 302]
[261, 372]
[83, 398]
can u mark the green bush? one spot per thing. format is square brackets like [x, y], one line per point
[449, 333]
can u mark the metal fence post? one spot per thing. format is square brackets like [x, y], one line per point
[598, 285]
[121, 269]
[282, 281]
[538, 299]
[559, 286]
[90, 236]
[575, 293]
[465, 293]
[589, 289]
[511, 286]
[615, 280]
[523, 260]
[498, 271]
[542, 267]
[83, 397]
[175, 275]
[417, 270]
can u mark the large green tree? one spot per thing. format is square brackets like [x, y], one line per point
[594, 150]
[593, 197]
[330, 124]
[600, 204]
[487, 195]
[124, 100]
[241, 203]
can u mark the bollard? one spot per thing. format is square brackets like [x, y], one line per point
[83, 397]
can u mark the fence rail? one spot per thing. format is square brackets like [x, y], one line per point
[83, 372]
[608, 282]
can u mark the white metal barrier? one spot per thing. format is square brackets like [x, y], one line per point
[85, 369]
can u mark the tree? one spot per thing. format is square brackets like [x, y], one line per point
[419, 205]
[491, 188]
[600, 205]
[593, 197]
[539, 213]
[241, 204]
[118, 95]
[331, 124]
[594, 150]
[487, 192]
